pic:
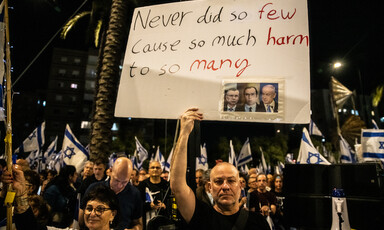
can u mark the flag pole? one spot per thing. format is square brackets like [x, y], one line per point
[8, 137]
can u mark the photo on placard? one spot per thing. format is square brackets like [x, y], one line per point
[251, 97]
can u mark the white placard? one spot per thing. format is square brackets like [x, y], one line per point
[188, 54]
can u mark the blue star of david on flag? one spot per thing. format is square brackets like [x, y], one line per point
[71, 152]
[316, 156]
[381, 144]
[202, 160]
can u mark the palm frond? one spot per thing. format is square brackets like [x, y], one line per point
[377, 95]
[97, 32]
[69, 25]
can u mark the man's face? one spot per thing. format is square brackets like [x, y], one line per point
[199, 177]
[88, 170]
[232, 97]
[268, 94]
[154, 169]
[118, 181]
[250, 96]
[261, 183]
[225, 185]
[252, 181]
[98, 170]
[278, 183]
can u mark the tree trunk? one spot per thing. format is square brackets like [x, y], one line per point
[105, 98]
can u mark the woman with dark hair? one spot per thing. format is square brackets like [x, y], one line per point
[102, 208]
[60, 194]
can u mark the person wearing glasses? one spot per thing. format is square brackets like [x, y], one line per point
[231, 100]
[102, 209]
[224, 185]
[153, 192]
[128, 196]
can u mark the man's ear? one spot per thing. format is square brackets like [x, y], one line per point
[209, 186]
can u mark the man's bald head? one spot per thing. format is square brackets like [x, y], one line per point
[121, 173]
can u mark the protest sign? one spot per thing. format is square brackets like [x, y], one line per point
[191, 53]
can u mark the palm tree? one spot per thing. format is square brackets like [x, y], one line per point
[111, 50]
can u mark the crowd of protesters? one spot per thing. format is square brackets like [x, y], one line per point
[53, 197]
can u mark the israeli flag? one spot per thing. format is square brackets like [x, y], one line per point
[308, 154]
[148, 195]
[73, 151]
[141, 152]
[372, 144]
[202, 160]
[49, 153]
[347, 155]
[34, 142]
[232, 155]
[263, 164]
[33, 160]
[245, 155]
[168, 162]
[160, 158]
[57, 162]
[314, 130]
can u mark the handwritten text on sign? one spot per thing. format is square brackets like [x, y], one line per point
[189, 48]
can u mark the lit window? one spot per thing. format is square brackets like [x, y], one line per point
[74, 86]
[75, 73]
[62, 72]
[77, 60]
[85, 124]
[63, 59]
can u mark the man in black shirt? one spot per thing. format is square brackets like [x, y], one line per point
[153, 191]
[224, 186]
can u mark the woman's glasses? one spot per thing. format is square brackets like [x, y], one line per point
[99, 210]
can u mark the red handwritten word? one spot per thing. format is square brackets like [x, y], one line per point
[214, 66]
[286, 40]
[273, 14]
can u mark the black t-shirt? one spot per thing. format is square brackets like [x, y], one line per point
[206, 217]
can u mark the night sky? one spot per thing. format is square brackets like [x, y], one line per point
[347, 31]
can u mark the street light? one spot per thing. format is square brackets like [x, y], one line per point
[336, 65]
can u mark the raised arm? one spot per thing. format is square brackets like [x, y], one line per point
[185, 198]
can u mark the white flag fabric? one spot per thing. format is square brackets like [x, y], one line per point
[375, 126]
[263, 162]
[168, 162]
[202, 161]
[73, 151]
[314, 130]
[57, 162]
[49, 153]
[347, 155]
[308, 154]
[232, 155]
[359, 153]
[160, 158]
[34, 142]
[141, 152]
[245, 155]
[372, 144]
[244, 169]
